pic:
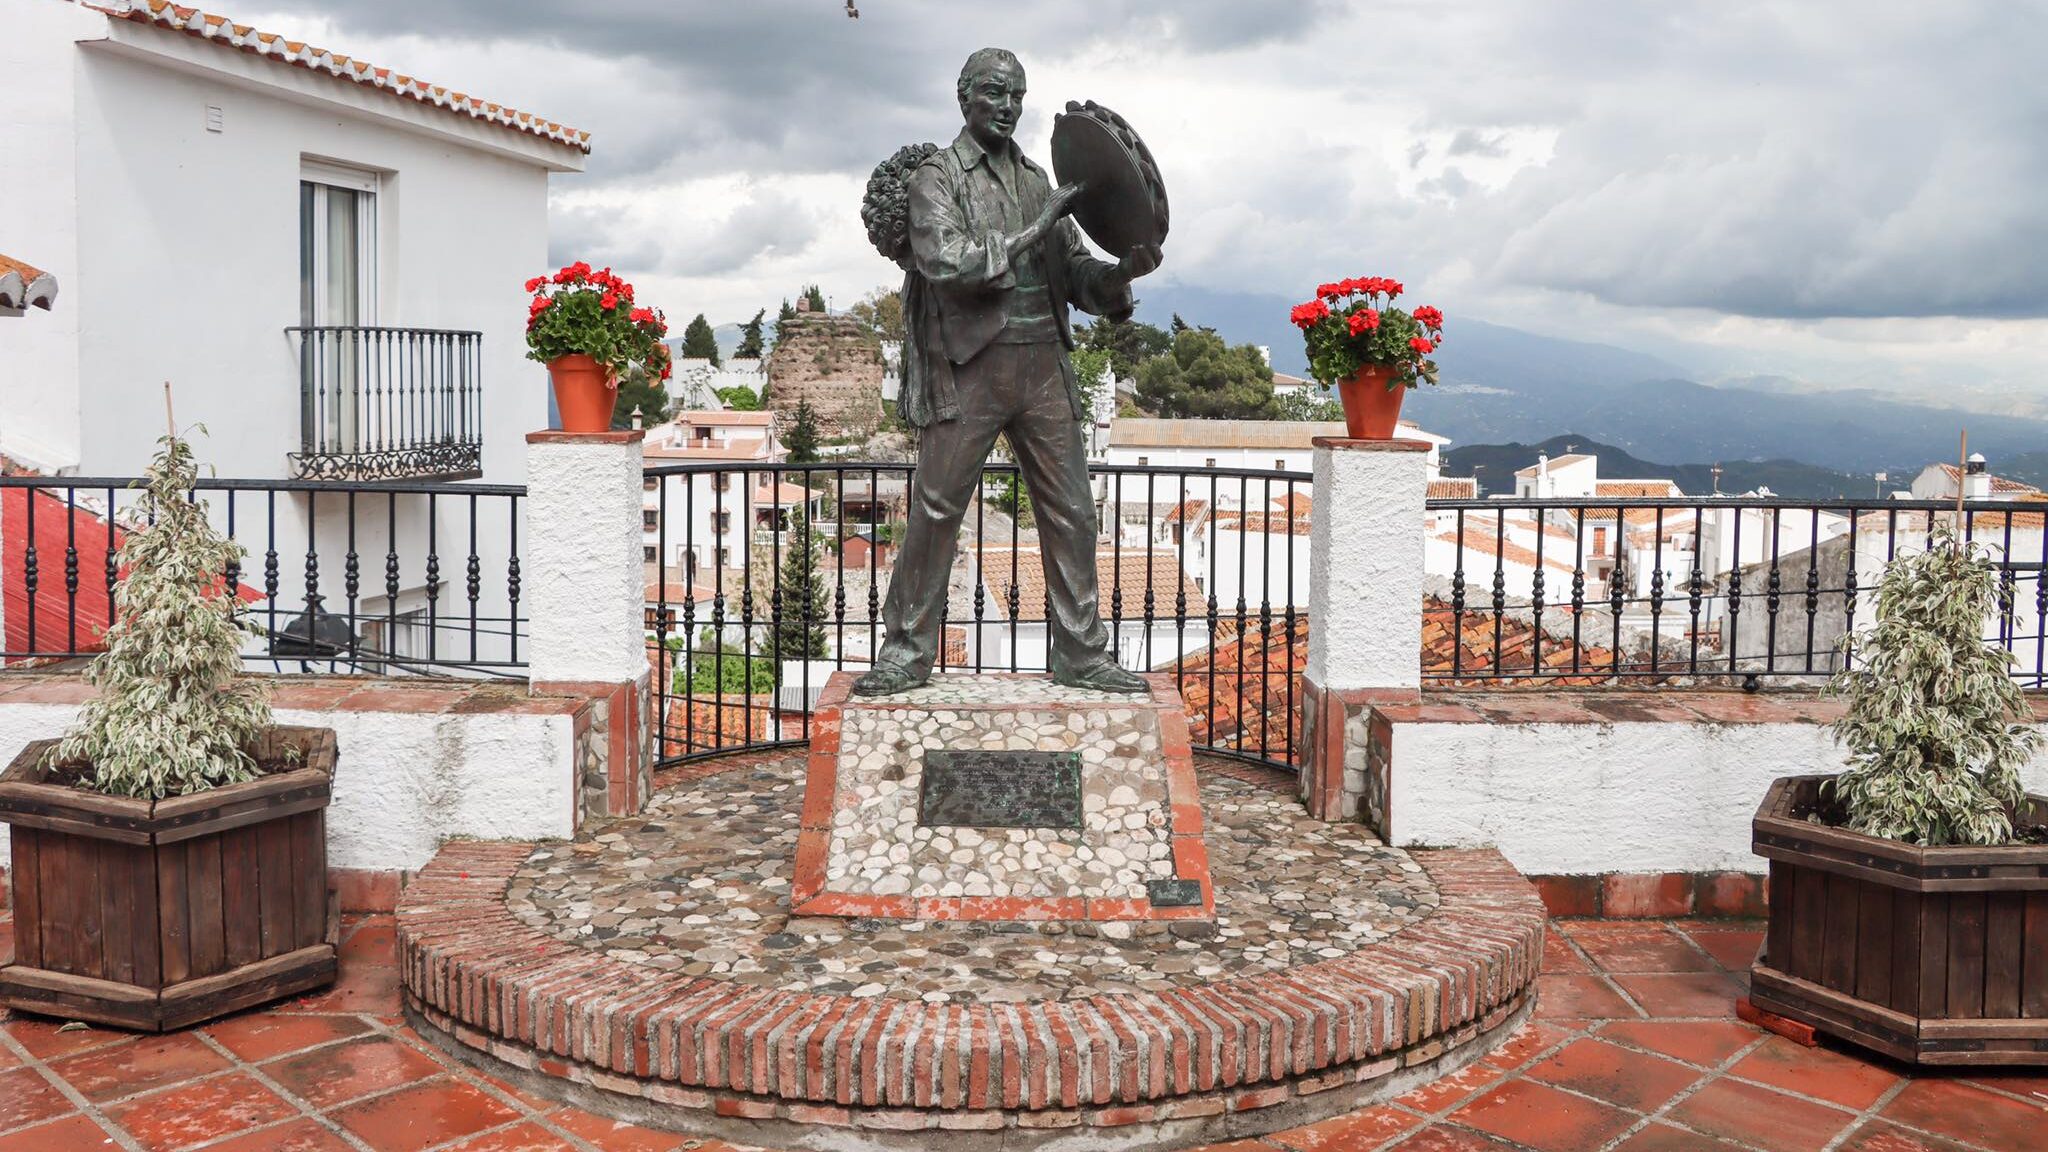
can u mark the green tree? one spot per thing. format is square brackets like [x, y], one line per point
[752, 345]
[1088, 366]
[788, 312]
[802, 438]
[700, 342]
[740, 398]
[642, 393]
[717, 669]
[1128, 342]
[816, 298]
[1305, 404]
[1012, 497]
[1204, 378]
[798, 629]
[881, 313]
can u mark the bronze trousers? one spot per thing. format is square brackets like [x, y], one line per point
[1017, 391]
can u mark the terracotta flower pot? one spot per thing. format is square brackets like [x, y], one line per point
[584, 393]
[1372, 409]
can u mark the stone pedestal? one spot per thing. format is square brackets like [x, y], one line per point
[1002, 797]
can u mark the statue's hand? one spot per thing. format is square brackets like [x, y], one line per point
[1141, 261]
[1057, 205]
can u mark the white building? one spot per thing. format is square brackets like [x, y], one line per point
[1285, 445]
[695, 521]
[324, 258]
[1941, 481]
[696, 384]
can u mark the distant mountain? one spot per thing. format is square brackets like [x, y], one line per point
[1502, 385]
[1496, 464]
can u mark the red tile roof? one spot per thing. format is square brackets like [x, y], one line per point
[1242, 693]
[1453, 488]
[220, 30]
[23, 284]
[1998, 483]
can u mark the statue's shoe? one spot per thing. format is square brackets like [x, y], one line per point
[887, 680]
[1102, 676]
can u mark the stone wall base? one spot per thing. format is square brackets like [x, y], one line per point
[1346, 758]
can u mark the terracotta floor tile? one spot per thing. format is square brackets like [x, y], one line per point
[1878, 1136]
[1451, 1090]
[616, 1135]
[1560, 958]
[362, 987]
[45, 1040]
[1665, 1138]
[2030, 1087]
[1637, 946]
[339, 1073]
[1818, 1072]
[75, 1133]
[536, 1103]
[1450, 1138]
[1760, 1117]
[527, 1137]
[193, 1113]
[374, 942]
[151, 1062]
[1532, 1040]
[423, 1115]
[1544, 1118]
[1970, 1114]
[260, 1036]
[1579, 998]
[26, 1098]
[1706, 1042]
[1732, 948]
[1702, 994]
[302, 1135]
[1623, 1076]
[1366, 1128]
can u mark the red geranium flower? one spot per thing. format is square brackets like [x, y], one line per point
[1429, 318]
[534, 284]
[1306, 316]
[608, 301]
[640, 315]
[1364, 321]
[1422, 346]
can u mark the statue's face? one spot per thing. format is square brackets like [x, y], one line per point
[994, 102]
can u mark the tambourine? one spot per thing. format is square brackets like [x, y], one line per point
[1122, 205]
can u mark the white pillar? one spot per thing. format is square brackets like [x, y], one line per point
[586, 598]
[1365, 618]
[584, 579]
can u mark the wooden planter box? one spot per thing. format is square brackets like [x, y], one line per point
[1930, 955]
[158, 915]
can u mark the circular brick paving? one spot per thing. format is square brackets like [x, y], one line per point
[699, 885]
[560, 965]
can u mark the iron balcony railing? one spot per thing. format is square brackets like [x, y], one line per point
[1203, 577]
[388, 403]
[1717, 590]
[388, 579]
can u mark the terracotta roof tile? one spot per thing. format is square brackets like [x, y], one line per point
[1453, 488]
[23, 284]
[269, 45]
[1242, 692]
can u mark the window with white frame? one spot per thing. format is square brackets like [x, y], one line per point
[337, 289]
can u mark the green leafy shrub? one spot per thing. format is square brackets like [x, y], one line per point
[173, 715]
[1933, 734]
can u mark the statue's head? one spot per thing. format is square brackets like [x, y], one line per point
[991, 91]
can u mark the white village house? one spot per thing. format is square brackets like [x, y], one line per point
[324, 258]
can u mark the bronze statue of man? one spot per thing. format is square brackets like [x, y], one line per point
[993, 264]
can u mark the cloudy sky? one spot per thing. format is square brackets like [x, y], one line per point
[1851, 193]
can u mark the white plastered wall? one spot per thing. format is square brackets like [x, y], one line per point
[405, 782]
[585, 581]
[1575, 799]
[1366, 571]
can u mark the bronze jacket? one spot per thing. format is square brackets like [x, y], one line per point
[953, 303]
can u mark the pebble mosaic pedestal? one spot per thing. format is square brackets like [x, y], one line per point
[1003, 798]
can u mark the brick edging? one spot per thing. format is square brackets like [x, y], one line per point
[494, 984]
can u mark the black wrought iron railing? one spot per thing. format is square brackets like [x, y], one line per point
[1736, 590]
[1203, 576]
[387, 579]
[388, 403]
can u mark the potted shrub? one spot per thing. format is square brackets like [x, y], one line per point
[170, 854]
[1371, 351]
[1909, 894]
[584, 326]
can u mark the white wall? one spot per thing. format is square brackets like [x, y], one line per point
[405, 782]
[188, 265]
[39, 367]
[1564, 799]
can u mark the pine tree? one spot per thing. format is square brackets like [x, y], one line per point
[751, 341]
[816, 298]
[173, 716]
[700, 342]
[787, 314]
[798, 630]
[802, 439]
[642, 394]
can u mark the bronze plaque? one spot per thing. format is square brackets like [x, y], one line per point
[984, 788]
[1174, 893]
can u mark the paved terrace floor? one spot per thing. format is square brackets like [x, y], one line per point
[1634, 1048]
